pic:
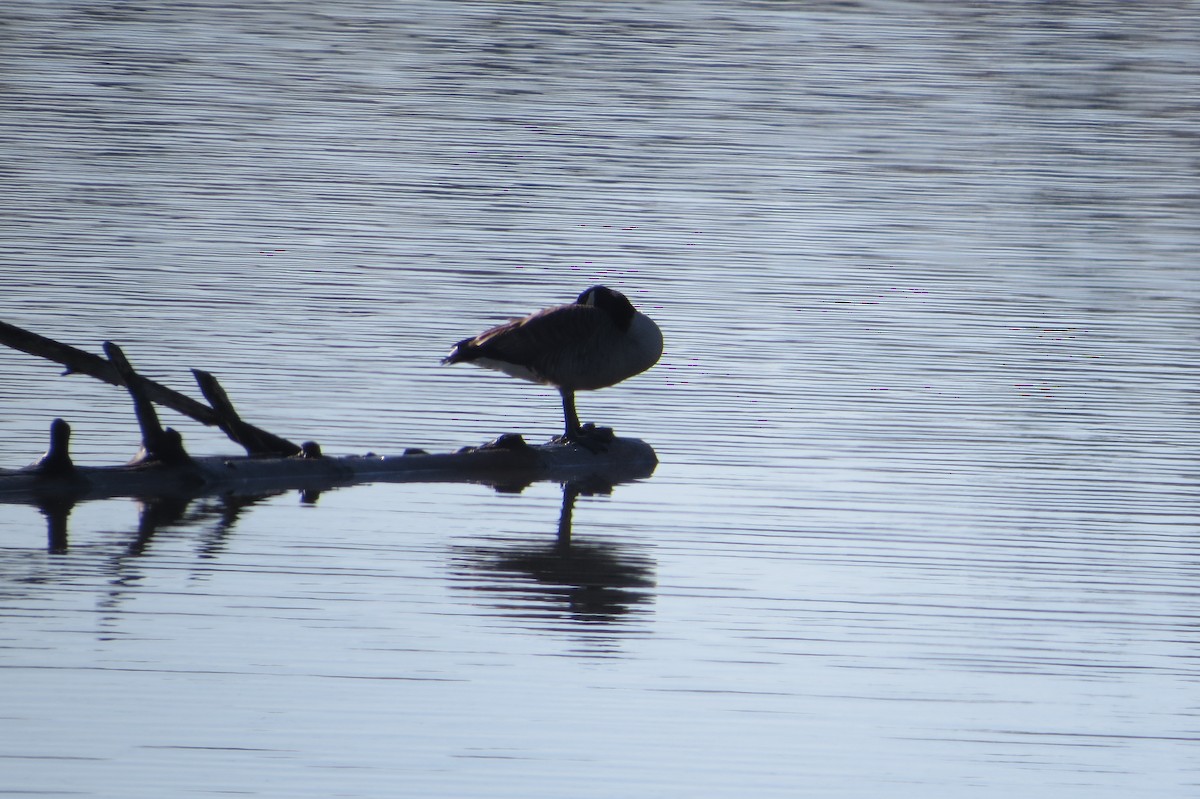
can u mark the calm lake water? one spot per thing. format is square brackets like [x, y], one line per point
[926, 519]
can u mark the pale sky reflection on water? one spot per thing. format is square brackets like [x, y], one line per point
[925, 518]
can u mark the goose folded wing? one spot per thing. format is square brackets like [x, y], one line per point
[544, 336]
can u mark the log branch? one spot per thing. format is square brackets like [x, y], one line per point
[253, 440]
[157, 444]
[76, 360]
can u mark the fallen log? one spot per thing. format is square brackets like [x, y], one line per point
[507, 463]
[165, 490]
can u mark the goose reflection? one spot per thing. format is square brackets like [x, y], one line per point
[593, 581]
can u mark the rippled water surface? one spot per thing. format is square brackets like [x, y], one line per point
[925, 522]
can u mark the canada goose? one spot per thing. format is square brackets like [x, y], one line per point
[594, 342]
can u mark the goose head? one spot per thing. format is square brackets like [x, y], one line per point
[612, 302]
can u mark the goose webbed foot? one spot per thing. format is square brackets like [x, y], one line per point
[588, 436]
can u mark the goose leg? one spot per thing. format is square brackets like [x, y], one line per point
[569, 416]
[589, 436]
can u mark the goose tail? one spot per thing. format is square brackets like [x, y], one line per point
[461, 352]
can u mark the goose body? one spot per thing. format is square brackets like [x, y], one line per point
[596, 341]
